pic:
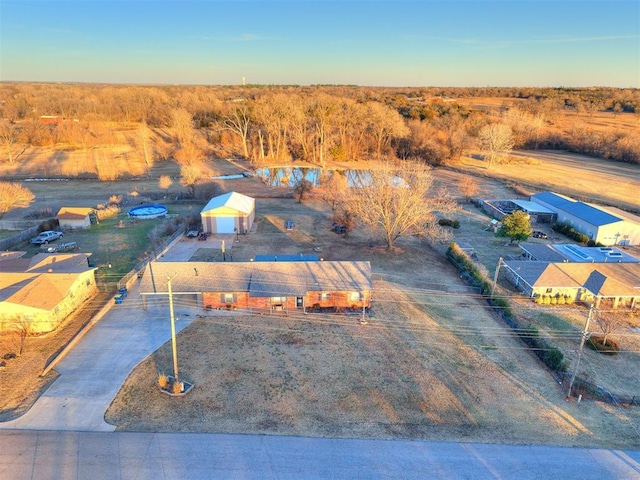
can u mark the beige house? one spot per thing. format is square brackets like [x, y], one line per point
[613, 285]
[74, 218]
[39, 293]
[232, 212]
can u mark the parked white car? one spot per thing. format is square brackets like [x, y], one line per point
[46, 237]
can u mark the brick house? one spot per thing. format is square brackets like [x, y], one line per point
[262, 286]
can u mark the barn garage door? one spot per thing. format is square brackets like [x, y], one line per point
[225, 224]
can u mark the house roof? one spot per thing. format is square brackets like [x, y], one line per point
[603, 279]
[73, 213]
[47, 263]
[590, 214]
[42, 292]
[550, 198]
[233, 200]
[260, 279]
[542, 252]
[570, 252]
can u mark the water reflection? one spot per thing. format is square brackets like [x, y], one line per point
[290, 176]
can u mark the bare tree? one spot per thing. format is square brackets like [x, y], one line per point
[190, 175]
[144, 137]
[321, 114]
[182, 124]
[301, 188]
[8, 137]
[18, 329]
[468, 187]
[397, 201]
[497, 139]
[609, 322]
[14, 195]
[238, 121]
[335, 186]
[385, 123]
[164, 182]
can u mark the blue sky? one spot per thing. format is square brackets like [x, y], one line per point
[363, 42]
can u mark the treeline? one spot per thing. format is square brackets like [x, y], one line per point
[315, 123]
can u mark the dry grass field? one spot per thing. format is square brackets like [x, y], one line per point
[432, 362]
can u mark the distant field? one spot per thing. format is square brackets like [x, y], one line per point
[580, 176]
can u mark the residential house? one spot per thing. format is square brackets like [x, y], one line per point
[614, 285]
[40, 292]
[546, 252]
[262, 286]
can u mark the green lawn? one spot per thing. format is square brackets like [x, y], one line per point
[116, 245]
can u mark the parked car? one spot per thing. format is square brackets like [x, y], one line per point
[336, 227]
[289, 224]
[46, 237]
[538, 234]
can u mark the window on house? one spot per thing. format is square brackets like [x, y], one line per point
[228, 298]
[88, 282]
[549, 290]
[324, 296]
[278, 300]
[355, 296]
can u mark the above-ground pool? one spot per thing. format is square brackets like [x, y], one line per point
[148, 211]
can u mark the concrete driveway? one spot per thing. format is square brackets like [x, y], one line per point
[185, 247]
[92, 373]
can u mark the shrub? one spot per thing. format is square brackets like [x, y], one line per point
[596, 342]
[177, 387]
[566, 229]
[554, 359]
[51, 224]
[42, 213]
[569, 300]
[163, 381]
[445, 222]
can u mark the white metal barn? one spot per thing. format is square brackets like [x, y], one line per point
[232, 212]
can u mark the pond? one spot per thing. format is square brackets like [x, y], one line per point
[289, 176]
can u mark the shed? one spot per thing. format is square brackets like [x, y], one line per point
[76, 217]
[232, 212]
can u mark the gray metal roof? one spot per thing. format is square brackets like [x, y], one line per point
[260, 279]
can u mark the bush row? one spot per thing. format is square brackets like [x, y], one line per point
[569, 231]
[550, 355]
[558, 299]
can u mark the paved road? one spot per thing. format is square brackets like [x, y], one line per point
[93, 372]
[63, 455]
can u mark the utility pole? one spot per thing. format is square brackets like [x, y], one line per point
[173, 331]
[495, 277]
[585, 336]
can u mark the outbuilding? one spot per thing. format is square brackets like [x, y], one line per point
[232, 212]
[76, 217]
